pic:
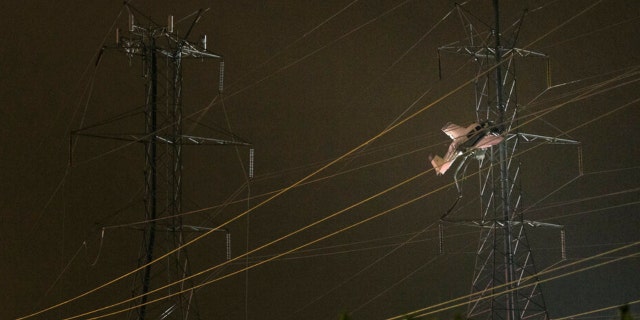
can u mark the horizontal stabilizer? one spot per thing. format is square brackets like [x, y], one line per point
[439, 165]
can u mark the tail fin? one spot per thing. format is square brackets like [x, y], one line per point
[437, 162]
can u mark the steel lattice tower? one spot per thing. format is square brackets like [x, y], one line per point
[162, 52]
[504, 284]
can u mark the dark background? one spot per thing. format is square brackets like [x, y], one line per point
[306, 82]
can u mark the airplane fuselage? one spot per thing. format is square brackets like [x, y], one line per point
[475, 136]
[480, 136]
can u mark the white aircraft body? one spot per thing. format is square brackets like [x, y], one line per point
[475, 136]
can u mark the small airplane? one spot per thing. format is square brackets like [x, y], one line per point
[475, 136]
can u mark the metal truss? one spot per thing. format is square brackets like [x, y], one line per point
[504, 284]
[162, 52]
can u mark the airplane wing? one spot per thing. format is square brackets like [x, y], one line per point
[453, 130]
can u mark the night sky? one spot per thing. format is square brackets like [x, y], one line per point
[305, 83]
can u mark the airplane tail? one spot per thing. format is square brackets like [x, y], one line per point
[438, 164]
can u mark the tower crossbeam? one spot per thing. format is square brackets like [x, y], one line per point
[504, 261]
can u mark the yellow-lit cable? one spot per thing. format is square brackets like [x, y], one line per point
[466, 297]
[573, 316]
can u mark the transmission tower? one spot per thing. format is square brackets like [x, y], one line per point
[162, 51]
[504, 284]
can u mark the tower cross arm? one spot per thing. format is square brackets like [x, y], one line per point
[538, 224]
[529, 137]
[186, 49]
[491, 224]
[194, 52]
[490, 52]
[186, 139]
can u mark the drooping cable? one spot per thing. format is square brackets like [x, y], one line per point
[442, 306]
[364, 269]
[278, 240]
[211, 281]
[283, 191]
[306, 34]
[582, 314]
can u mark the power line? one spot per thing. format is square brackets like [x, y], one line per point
[286, 189]
[299, 230]
[442, 306]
